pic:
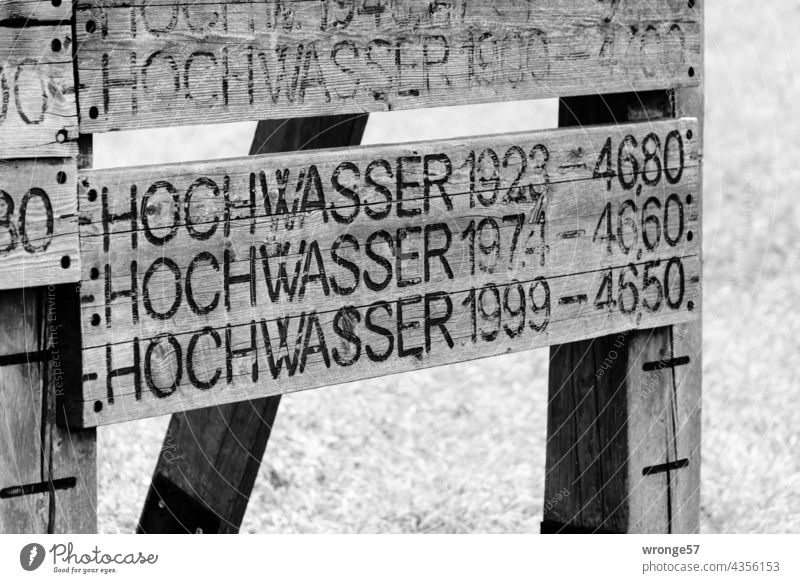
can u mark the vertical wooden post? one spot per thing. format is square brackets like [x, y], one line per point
[688, 341]
[623, 426]
[210, 457]
[75, 450]
[48, 478]
[47, 472]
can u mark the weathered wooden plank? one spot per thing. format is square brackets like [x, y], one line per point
[18, 13]
[38, 222]
[623, 413]
[485, 224]
[47, 475]
[221, 373]
[38, 111]
[160, 62]
[587, 407]
[212, 455]
[568, 247]
[426, 276]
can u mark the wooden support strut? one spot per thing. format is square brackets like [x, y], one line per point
[623, 428]
[210, 457]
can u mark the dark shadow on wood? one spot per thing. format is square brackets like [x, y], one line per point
[210, 457]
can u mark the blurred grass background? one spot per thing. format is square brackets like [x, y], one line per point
[461, 448]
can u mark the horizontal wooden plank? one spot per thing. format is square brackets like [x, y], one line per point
[38, 222]
[454, 249]
[38, 112]
[18, 13]
[316, 352]
[158, 62]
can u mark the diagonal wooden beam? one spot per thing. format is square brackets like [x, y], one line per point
[210, 457]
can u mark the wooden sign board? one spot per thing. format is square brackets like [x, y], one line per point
[38, 112]
[164, 62]
[38, 222]
[227, 280]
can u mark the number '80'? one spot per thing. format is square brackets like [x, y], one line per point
[15, 232]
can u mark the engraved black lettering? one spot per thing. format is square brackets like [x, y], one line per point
[133, 369]
[249, 277]
[313, 186]
[108, 218]
[437, 321]
[404, 324]
[231, 352]
[32, 193]
[403, 184]
[344, 324]
[321, 347]
[336, 285]
[169, 367]
[438, 182]
[201, 257]
[403, 236]
[379, 259]
[379, 188]
[347, 192]
[178, 294]
[385, 332]
[440, 252]
[282, 280]
[315, 255]
[190, 371]
[209, 184]
[132, 293]
[291, 360]
[153, 209]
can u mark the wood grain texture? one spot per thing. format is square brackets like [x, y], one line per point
[22, 461]
[613, 417]
[38, 111]
[624, 410]
[47, 479]
[38, 222]
[687, 339]
[17, 13]
[161, 63]
[571, 265]
[73, 452]
[586, 440]
[74, 449]
[47, 473]
[670, 398]
[213, 454]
